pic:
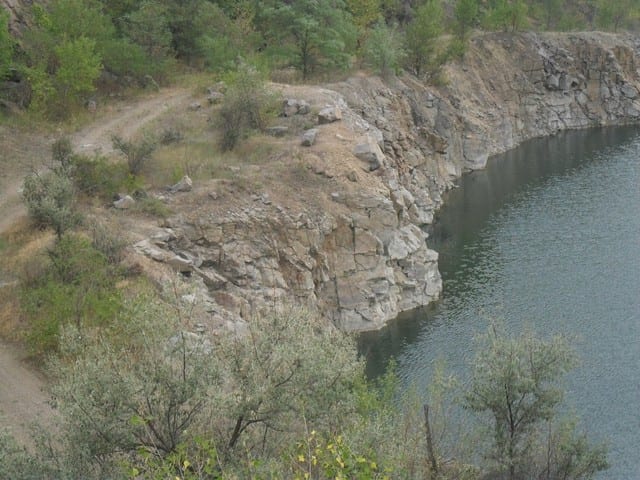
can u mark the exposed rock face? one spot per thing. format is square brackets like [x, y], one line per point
[360, 257]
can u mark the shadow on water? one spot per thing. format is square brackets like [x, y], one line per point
[466, 213]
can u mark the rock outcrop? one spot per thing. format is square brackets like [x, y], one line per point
[355, 247]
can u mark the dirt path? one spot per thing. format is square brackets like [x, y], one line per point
[23, 396]
[126, 120]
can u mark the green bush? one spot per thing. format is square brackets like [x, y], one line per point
[50, 199]
[384, 51]
[137, 152]
[6, 45]
[246, 106]
[99, 177]
[78, 286]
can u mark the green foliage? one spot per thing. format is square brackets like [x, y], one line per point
[465, 15]
[616, 14]
[99, 177]
[423, 51]
[310, 33]
[515, 381]
[78, 69]
[147, 389]
[384, 50]
[50, 198]
[365, 14]
[246, 106]
[77, 287]
[197, 460]
[6, 45]
[507, 15]
[222, 44]
[137, 152]
[148, 27]
[333, 458]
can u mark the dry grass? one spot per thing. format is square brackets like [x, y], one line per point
[22, 249]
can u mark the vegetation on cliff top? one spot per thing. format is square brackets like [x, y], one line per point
[75, 48]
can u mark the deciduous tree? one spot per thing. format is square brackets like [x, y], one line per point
[515, 381]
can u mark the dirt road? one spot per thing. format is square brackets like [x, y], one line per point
[23, 396]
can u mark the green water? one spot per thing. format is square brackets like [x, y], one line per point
[547, 237]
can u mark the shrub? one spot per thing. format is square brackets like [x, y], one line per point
[245, 107]
[137, 152]
[98, 177]
[106, 242]
[78, 286]
[50, 199]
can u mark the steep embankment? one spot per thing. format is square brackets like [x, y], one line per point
[340, 227]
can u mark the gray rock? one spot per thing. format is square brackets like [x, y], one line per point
[146, 248]
[309, 137]
[370, 153]
[292, 106]
[215, 97]
[184, 185]
[277, 131]
[124, 203]
[629, 91]
[329, 115]
[211, 279]
[195, 106]
[180, 264]
[552, 82]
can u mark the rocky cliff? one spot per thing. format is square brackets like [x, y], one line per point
[342, 229]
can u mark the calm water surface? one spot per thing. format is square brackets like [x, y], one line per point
[548, 237]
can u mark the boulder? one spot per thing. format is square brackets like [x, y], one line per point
[309, 137]
[629, 91]
[180, 264]
[370, 153]
[124, 203]
[292, 106]
[184, 185]
[329, 115]
[215, 97]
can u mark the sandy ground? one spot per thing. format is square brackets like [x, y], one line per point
[23, 390]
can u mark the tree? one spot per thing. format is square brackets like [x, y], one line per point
[309, 33]
[466, 15]
[146, 388]
[421, 37]
[365, 14]
[78, 69]
[507, 15]
[552, 12]
[515, 381]
[148, 26]
[383, 50]
[614, 14]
